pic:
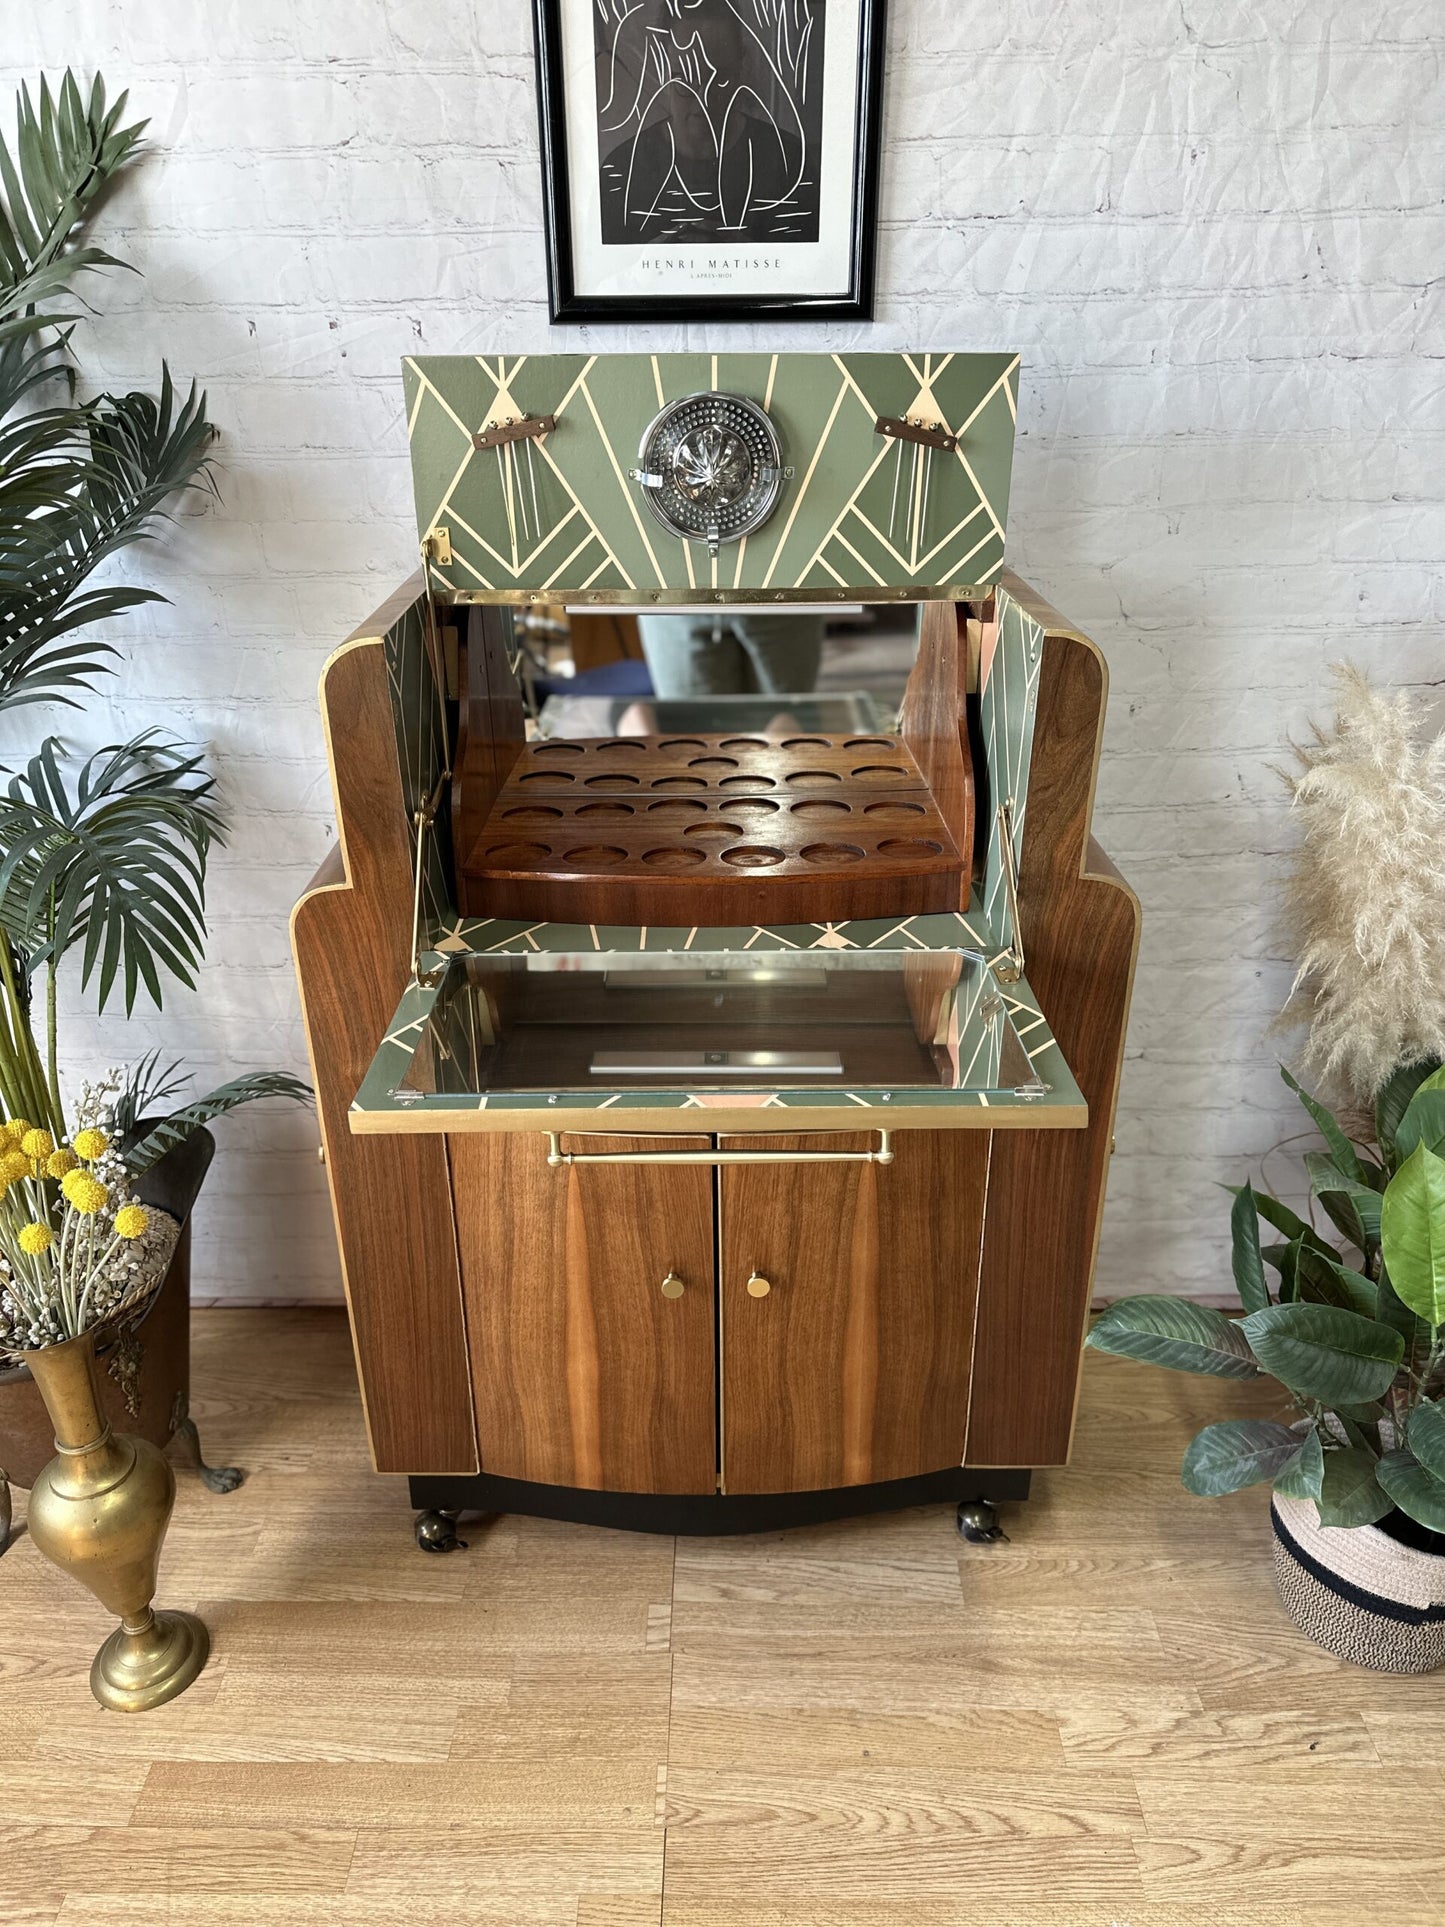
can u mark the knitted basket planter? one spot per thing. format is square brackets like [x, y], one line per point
[1360, 1592]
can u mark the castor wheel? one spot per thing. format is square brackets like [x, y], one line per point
[437, 1532]
[978, 1523]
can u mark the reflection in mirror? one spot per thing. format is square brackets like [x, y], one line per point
[603, 1021]
[837, 669]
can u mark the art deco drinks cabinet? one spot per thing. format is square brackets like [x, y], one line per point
[716, 1098]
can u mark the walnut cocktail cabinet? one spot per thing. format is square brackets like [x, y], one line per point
[716, 1102]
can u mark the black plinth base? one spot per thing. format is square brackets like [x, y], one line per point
[710, 1513]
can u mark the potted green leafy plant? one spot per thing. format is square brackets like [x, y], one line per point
[1354, 1334]
[1351, 1327]
[103, 857]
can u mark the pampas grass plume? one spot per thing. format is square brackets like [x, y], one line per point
[1364, 908]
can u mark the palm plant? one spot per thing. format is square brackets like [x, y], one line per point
[105, 856]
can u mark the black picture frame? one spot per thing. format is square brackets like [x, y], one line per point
[568, 307]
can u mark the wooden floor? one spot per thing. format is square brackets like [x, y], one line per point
[1105, 1723]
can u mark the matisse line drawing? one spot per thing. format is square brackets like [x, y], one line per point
[709, 120]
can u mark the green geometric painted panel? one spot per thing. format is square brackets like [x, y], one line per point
[859, 516]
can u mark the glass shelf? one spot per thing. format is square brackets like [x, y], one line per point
[831, 1022]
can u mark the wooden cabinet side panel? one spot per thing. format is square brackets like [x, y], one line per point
[854, 1368]
[390, 1197]
[1046, 1189]
[584, 1373]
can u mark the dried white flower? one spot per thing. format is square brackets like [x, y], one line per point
[1364, 908]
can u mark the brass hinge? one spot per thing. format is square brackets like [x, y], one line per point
[437, 547]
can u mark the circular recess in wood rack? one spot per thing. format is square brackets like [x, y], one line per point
[595, 855]
[752, 856]
[673, 856]
[831, 853]
[909, 846]
[507, 853]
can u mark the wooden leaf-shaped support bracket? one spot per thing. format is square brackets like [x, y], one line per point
[522, 428]
[899, 428]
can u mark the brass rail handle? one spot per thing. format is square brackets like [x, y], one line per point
[557, 1156]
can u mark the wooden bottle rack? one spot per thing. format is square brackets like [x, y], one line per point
[725, 829]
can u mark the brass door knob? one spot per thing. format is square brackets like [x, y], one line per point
[672, 1286]
[758, 1286]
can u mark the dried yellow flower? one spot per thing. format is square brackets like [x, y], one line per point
[131, 1220]
[13, 1166]
[59, 1162]
[35, 1238]
[91, 1144]
[37, 1144]
[84, 1193]
[16, 1129]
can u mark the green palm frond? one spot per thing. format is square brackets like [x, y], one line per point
[67, 150]
[117, 868]
[99, 492]
[27, 364]
[150, 1083]
[77, 481]
[147, 1084]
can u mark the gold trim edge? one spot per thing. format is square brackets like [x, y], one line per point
[678, 598]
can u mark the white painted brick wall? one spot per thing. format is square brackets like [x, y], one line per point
[1215, 230]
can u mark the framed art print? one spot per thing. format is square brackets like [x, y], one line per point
[710, 158]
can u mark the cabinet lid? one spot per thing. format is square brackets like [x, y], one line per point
[802, 476]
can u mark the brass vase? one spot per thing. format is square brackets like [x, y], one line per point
[99, 1511]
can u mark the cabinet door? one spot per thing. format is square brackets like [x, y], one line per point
[854, 1367]
[584, 1372]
